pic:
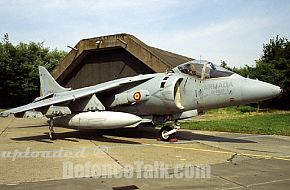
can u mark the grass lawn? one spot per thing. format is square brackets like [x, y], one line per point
[235, 120]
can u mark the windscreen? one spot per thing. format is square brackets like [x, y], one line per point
[204, 69]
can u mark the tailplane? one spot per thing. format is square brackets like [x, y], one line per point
[47, 83]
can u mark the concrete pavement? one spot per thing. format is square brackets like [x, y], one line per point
[28, 159]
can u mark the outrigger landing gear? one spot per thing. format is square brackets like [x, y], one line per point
[52, 135]
[166, 133]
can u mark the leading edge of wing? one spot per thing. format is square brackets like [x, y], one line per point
[76, 94]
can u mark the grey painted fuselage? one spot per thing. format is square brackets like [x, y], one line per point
[176, 92]
[181, 93]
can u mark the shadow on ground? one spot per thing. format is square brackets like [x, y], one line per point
[113, 135]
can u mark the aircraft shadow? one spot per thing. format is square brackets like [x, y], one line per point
[134, 133]
[152, 133]
[202, 137]
[33, 126]
[72, 136]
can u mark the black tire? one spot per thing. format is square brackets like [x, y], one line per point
[52, 136]
[164, 130]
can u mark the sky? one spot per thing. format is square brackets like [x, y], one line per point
[233, 31]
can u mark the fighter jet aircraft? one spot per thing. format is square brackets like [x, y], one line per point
[151, 99]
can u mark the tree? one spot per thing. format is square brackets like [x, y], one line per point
[273, 67]
[19, 70]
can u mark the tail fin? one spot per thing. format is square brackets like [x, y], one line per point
[47, 83]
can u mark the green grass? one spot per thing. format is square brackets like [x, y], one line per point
[269, 123]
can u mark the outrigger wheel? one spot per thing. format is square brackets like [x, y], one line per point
[52, 135]
[166, 133]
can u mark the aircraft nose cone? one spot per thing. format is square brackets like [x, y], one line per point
[276, 90]
[272, 90]
[256, 90]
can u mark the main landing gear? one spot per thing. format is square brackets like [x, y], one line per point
[166, 133]
[51, 132]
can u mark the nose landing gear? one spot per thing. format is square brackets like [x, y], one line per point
[166, 133]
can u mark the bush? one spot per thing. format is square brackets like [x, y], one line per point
[19, 70]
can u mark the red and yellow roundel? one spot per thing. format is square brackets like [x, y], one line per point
[137, 96]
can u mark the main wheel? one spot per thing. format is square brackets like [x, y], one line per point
[162, 132]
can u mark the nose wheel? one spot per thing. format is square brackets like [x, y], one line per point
[166, 133]
[163, 133]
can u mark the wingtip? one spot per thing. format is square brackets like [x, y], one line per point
[4, 114]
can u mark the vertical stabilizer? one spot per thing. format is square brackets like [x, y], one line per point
[47, 83]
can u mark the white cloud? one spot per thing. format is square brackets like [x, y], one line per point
[216, 30]
[238, 42]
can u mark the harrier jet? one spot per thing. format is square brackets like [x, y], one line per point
[149, 99]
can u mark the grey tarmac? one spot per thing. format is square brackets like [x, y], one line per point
[237, 161]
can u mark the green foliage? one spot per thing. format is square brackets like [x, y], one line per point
[19, 70]
[246, 109]
[272, 67]
[277, 49]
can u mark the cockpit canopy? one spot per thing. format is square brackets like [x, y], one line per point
[202, 69]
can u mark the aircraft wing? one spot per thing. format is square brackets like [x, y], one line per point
[72, 95]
